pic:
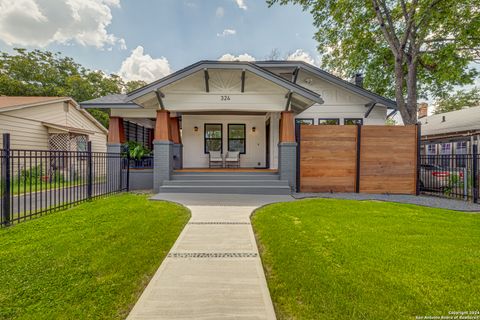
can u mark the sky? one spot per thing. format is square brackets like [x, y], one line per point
[148, 39]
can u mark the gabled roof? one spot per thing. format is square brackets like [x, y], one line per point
[16, 101]
[449, 122]
[118, 100]
[239, 65]
[329, 78]
[9, 103]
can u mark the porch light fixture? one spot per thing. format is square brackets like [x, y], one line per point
[253, 129]
[195, 128]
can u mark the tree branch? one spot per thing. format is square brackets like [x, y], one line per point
[388, 37]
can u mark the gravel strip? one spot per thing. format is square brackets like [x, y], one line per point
[426, 201]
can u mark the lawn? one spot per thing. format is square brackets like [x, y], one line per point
[340, 259]
[89, 262]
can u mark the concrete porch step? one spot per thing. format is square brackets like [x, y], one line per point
[230, 189]
[225, 182]
[225, 176]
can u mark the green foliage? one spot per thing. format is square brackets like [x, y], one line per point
[343, 259]
[459, 100]
[35, 174]
[44, 73]
[134, 85]
[136, 150]
[89, 262]
[431, 44]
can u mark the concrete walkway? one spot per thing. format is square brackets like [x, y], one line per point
[213, 270]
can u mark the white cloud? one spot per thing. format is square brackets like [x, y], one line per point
[140, 66]
[42, 22]
[241, 57]
[241, 4]
[300, 55]
[220, 12]
[227, 32]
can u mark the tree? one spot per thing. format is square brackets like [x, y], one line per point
[406, 48]
[44, 73]
[134, 84]
[459, 100]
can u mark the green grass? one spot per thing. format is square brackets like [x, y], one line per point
[340, 259]
[89, 262]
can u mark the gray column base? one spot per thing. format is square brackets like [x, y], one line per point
[287, 163]
[162, 163]
[177, 156]
[114, 169]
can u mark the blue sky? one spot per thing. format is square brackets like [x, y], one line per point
[164, 35]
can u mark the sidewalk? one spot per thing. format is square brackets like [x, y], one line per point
[213, 270]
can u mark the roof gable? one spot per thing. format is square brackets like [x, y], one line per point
[329, 78]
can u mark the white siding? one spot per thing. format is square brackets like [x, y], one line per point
[193, 141]
[27, 132]
[24, 133]
[338, 103]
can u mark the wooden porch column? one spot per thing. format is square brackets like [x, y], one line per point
[287, 127]
[175, 130]
[162, 126]
[116, 132]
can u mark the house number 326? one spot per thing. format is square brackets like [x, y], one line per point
[224, 98]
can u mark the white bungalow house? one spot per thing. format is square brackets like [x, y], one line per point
[250, 108]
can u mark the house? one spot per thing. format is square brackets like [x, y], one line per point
[449, 133]
[235, 106]
[49, 123]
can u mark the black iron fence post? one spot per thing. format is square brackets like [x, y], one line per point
[475, 174]
[419, 139]
[357, 165]
[297, 169]
[89, 170]
[128, 171]
[6, 180]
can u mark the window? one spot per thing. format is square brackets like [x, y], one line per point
[329, 121]
[446, 148]
[81, 141]
[304, 121]
[461, 154]
[347, 121]
[445, 151]
[431, 152]
[431, 149]
[236, 137]
[213, 137]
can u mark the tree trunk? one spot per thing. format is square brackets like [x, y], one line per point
[406, 106]
[412, 90]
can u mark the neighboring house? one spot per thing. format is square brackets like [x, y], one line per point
[49, 123]
[450, 133]
[236, 106]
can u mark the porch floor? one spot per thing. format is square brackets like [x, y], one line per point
[225, 170]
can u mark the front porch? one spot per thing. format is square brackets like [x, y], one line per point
[216, 107]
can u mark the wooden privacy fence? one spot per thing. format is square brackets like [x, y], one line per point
[366, 159]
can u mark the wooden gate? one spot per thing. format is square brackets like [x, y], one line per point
[368, 159]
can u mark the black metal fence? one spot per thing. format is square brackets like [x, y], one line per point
[452, 176]
[145, 162]
[37, 182]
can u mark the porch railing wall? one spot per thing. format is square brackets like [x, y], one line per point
[37, 182]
